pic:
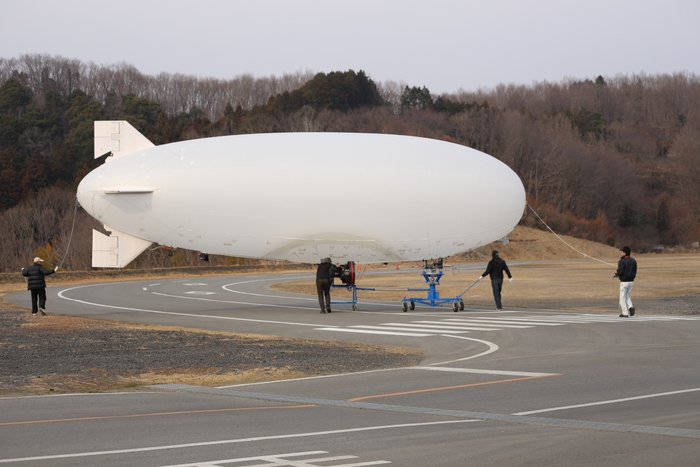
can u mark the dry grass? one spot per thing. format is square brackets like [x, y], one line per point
[72, 354]
[103, 380]
[569, 284]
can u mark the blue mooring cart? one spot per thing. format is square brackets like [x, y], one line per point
[432, 274]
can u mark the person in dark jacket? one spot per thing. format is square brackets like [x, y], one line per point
[37, 285]
[495, 270]
[626, 272]
[324, 275]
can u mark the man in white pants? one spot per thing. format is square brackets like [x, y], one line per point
[626, 272]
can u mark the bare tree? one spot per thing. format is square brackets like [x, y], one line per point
[306, 119]
[391, 92]
[478, 128]
[686, 153]
[176, 93]
[50, 221]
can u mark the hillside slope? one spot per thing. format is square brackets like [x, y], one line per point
[529, 243]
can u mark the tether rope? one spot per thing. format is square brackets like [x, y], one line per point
[70, 238]
[565, 243]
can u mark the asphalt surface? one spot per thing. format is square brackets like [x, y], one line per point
[519, 387]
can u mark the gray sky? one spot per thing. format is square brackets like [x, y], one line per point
[443, 45]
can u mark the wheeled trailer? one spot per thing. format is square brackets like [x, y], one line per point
[432, 274]
[346, 273]
[353, 288]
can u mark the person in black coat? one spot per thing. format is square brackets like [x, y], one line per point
[37, 285]
[495, 269]
[626, 272]
[324, 276]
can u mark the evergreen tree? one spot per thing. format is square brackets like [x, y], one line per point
[663, 218]
[341, 91]
[140, 112]
[416, 98]
[14, 99]
[82, 112]
[9, 179]
[627, 216]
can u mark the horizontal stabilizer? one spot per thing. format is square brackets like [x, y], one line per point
[125, 190]
[119, 138]
[116, 250]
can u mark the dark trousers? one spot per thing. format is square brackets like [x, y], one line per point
[497, 285]
[39, 294]
[323, 288]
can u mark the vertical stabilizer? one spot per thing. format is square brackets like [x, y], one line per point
[119, 138]
[115, 250]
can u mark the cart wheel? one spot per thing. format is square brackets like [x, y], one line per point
[461, 305]
[355, 308]
[404, 307]
[412, 306]
[455, 306]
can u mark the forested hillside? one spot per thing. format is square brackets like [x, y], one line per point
[615, 160]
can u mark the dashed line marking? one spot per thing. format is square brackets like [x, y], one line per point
[366, 331]
[461, 325]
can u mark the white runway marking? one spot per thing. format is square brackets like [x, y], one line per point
[384, 333]
[401, 328]
[482, 372]
[193, 315]
[465, 323]
[613, 401]
[441, 325]
[280, 460]
[501, 322]
[230, 441]
[283, 297]
[559, 320]
[266, 305]
[492, 348]
[314, 299]
[425, 328]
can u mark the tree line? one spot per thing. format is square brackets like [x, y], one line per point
[615, 159]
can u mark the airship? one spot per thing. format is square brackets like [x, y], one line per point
[300, 197]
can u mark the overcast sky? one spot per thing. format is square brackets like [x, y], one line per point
[443, 45]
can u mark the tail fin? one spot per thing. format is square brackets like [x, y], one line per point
[119, 138]
[116, 250]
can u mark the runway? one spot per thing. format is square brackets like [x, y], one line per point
[518, 387]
